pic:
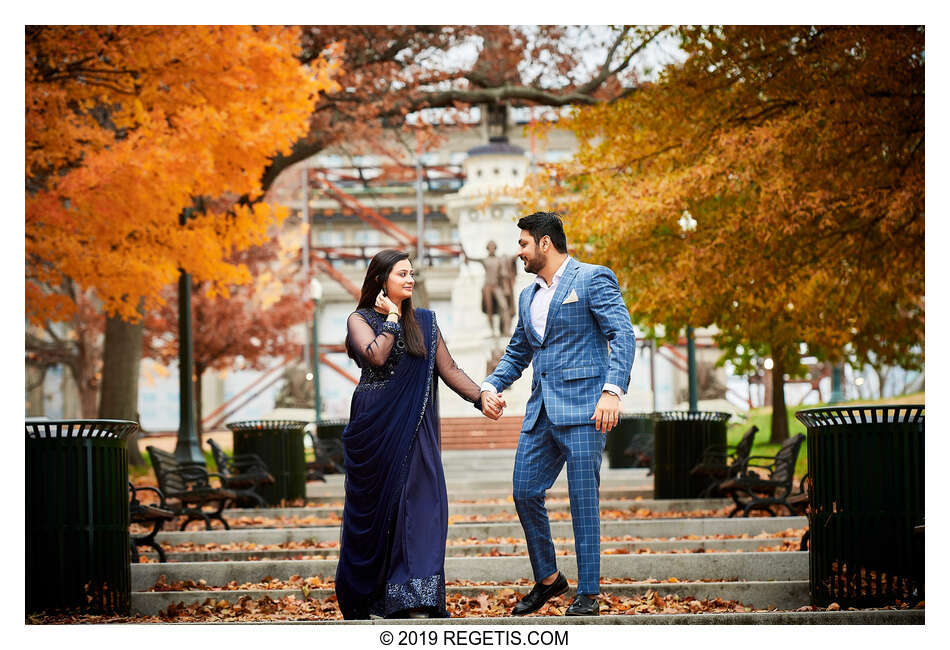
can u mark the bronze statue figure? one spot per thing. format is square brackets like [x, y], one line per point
[498, 290]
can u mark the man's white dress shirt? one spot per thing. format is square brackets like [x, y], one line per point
[540, 304]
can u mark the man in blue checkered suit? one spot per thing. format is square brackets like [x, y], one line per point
[574, 327]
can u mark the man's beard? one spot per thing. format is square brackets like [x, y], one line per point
[535, 264]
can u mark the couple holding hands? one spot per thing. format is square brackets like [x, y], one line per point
[575, 329]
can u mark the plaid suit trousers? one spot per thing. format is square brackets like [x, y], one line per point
[542, 452]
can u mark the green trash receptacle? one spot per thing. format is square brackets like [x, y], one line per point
[77, 516]
[279, 443]
[331, 429]
[679, 440]
[866, 496]
[632, 426]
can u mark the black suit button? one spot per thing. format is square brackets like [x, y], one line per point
[544, 374]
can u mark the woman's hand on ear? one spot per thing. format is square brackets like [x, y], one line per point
[384, 303]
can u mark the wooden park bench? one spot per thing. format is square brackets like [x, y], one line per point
[327, 457]
[752, 492]
[189, 486]
[148, 513]
[720, 462]
[242, 474]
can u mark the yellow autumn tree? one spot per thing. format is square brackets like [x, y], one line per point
[795, 157]
[126, 127]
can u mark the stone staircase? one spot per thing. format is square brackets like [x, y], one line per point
[688, 557]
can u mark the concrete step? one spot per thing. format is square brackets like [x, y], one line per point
[474, 482]
[336, 494]
[641, 528]
[653, 505]
[467, 489]
[497, 469]
[790, 594]
[714, 566]
[861, 617]
[470, 550]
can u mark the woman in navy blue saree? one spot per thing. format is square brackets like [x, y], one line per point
[395, 515]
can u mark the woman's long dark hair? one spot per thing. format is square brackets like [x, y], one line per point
[376, 275]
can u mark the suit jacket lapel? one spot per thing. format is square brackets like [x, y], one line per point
[563, 288]
[526, 311]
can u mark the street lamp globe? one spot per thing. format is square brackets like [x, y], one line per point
[687, 222]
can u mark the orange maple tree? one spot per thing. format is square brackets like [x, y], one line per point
[126, 126]
[794, 157]
[120, 118]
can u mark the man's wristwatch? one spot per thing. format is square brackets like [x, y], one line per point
[607, 390]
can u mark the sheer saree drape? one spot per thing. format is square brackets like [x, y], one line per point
[378, 442]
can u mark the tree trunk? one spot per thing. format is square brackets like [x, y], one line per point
[121, 357]
[779, 411]
[84, 372]
[35, 403]
[882, 373]
[87, 399]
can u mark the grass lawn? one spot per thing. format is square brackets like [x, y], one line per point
[762, 418]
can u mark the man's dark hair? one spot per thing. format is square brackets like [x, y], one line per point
[540, 224]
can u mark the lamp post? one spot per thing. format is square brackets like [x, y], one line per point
[837, 395]
[186, 447]
[688, 224]
[305, 253]
[691, 367]
[316, 293]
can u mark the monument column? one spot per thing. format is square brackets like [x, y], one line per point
[485, 210]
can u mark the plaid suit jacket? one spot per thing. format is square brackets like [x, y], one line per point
[587, 343]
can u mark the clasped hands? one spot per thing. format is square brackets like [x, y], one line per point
[492, 404]
[606, 413]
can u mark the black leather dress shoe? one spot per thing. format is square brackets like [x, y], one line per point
[583, 605]
[541, 594]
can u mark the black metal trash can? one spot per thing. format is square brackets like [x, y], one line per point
[331, 429]
[679, 440]
[279, 443]
[330, 434]
[630, 427]
[866, 469]
[77, 516]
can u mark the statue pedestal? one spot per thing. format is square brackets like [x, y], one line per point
[472, 342]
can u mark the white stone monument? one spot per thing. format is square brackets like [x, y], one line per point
[485, 209]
